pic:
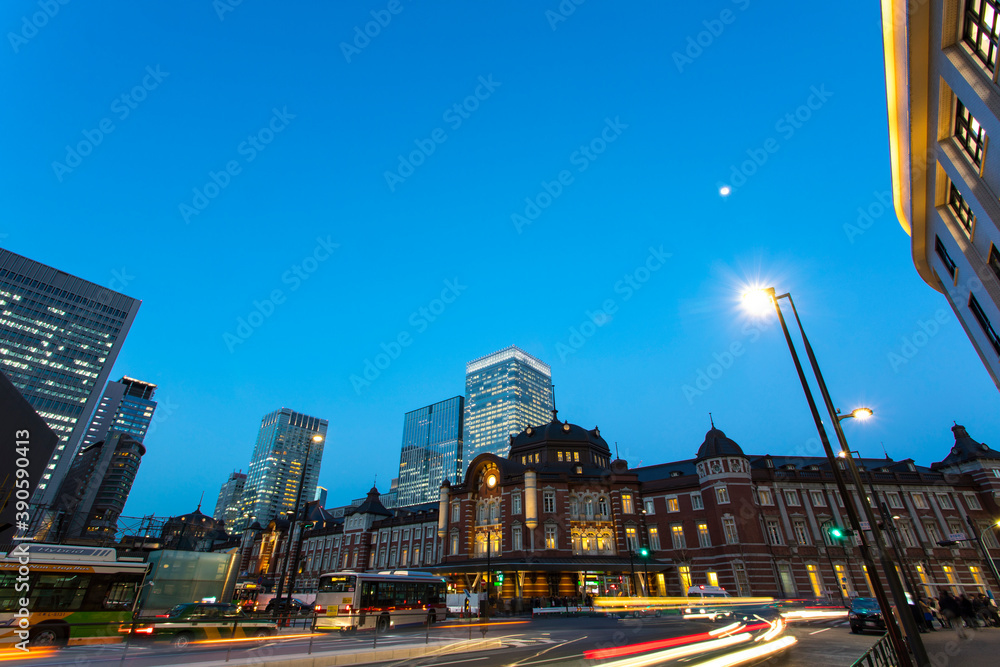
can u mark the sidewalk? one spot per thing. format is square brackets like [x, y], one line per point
[980, 647]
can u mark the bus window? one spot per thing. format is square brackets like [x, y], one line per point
[369, 594]
[337, 583]
[120, 595]
[57, 591]
[386, 594]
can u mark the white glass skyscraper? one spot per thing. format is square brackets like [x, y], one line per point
[432, 451]
[505, 392]
[60, 337]
[227, 507]
[285, 451]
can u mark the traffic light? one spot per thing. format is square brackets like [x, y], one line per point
[644, 552]
[836, 533]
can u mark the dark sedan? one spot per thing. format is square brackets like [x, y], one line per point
[865, 614]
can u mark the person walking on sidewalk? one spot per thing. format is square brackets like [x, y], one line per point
[951, 610]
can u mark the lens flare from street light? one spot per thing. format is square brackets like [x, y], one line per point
[862, 413]
[725, 191]
[758, 301]
[317, 438]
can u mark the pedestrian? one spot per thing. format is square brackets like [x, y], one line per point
[952, 612]
[967, 611]
[927, 613]
[936, 609]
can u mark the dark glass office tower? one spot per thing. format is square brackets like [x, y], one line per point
[126, 406]
[505, 392]
[60, 337]
[432, 451]
[289, 445]
[227, 507]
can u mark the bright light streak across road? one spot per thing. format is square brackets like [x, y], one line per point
[748, 654]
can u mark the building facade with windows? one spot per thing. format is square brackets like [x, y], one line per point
[227, 507]
[61, 337]
[126, 406]
[559, 517]
[505, 392]
[432, 451]
[944, 106]
[288, 452]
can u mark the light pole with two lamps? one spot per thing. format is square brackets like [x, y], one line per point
[760, 300]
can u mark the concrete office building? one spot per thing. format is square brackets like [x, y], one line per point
[61, 337]
[944, 105]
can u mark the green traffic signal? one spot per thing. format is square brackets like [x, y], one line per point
[836, 533]
[643, 552]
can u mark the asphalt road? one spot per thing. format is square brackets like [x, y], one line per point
[544, 641]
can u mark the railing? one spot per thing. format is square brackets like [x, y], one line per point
[881, 654]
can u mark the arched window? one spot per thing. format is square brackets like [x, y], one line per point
[588, 505]
[494, 511]
[574, 506]
[602, 506]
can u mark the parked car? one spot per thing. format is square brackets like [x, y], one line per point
[865, 614]
[287, 605]
[196, 621]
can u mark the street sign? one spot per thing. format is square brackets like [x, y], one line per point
[865, 525]
[957, 537]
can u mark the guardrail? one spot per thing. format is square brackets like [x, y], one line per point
[881, 654]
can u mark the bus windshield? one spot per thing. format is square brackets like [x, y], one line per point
[337, 583]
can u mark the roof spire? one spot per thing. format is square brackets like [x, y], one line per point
[711, 421]
[199, 501]
[883, 451]
[554, 411]
[616, 450]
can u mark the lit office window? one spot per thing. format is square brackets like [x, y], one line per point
[677, 533]
[981, 32]
[984, 322]
[550, 537]
[961, 209]
[970, 134]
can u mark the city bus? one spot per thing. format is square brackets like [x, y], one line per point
[245, 595]
[361, 601]
[75, 595]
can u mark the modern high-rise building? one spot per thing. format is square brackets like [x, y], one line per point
[227, 508]
[61, 335]
[95, 490]
[505, 392]
[944, 105]
[126, 406]
[432, 451]
[288, 454]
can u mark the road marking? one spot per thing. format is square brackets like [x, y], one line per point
[520, 663]
[819, 631]
[455, 662]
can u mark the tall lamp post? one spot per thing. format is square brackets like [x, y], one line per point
[982, 547]
[316, 439]
[765, 298]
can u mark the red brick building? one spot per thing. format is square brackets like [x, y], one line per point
[560, 517]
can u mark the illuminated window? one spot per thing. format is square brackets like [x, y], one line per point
[454, 544]
[949, 574]
[970, 134]
[631, 539]
[815, 581]
[550, 537]
[924, 582]
[773, 531]
[677, 534]
[602, 506]
[721, 495]
[766, 497]
[712, 578]
[673, 505]
[704, 538]
[961, 209]
[627, 506]
[685, 573]
[654, 538]
[559, 456]
[982, 31]
[576, 457]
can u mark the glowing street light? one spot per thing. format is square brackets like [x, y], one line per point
[861, 414]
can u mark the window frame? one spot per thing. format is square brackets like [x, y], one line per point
[972, 141]
[974, 22]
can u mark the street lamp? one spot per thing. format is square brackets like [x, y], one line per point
[857, 413]
[316, 439]
[761, 300]
[982, 547]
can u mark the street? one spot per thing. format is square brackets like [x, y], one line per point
[517, 642]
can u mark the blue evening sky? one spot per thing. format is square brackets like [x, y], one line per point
[123, 119]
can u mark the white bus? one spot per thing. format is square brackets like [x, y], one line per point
[359, 600]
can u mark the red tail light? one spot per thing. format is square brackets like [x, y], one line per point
[320, 609]
[144, 631]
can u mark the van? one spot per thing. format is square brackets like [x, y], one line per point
[707, 592]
